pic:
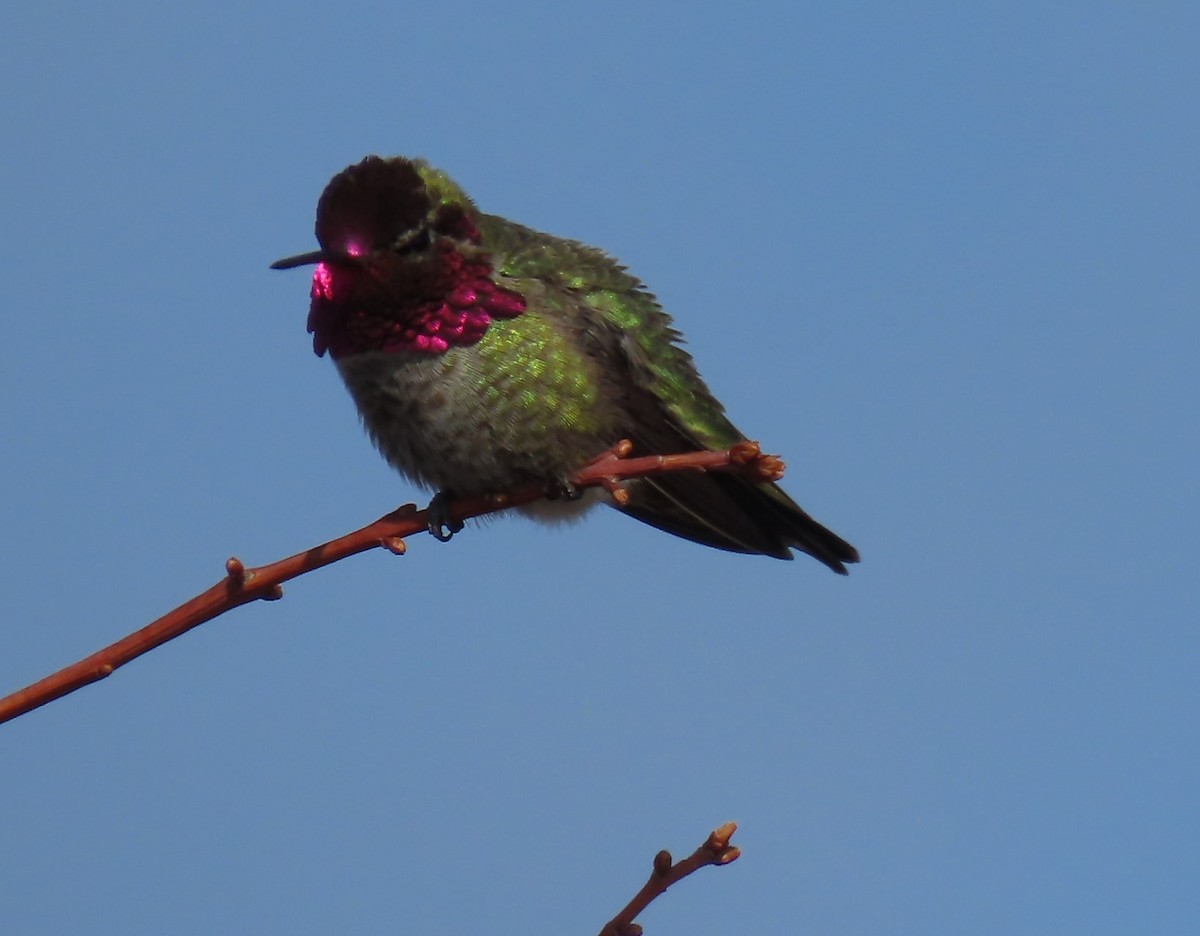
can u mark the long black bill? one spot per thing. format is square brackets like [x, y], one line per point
[289, 263]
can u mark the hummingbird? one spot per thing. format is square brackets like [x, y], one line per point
[482, 355]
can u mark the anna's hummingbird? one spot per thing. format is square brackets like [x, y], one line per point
[483, 355]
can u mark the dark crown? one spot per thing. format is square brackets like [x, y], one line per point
[371, 205]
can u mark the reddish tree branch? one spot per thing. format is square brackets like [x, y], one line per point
[716, 850]
[242, 585]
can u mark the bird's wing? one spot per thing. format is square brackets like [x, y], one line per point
[670, 408]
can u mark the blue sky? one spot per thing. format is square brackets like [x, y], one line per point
[942, 257]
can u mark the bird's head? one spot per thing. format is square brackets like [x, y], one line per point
[400, 265]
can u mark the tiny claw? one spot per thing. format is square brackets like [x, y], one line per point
[563, 489]
[442, 526]
[444, 532]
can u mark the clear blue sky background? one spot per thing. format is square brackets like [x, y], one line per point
[941, 256]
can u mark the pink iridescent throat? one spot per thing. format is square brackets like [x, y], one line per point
[460, 314]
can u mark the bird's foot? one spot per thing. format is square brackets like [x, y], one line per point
[441, 525]
[561, 489]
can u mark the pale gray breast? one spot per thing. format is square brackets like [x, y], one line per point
[417, 411]
[426, 416]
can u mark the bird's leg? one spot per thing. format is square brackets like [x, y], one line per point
[441, 525]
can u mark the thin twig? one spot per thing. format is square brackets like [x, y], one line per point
[716, 850]
[242, 585]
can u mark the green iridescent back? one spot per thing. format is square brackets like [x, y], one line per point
[621, 311]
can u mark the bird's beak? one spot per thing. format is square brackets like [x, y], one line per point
[289, 263]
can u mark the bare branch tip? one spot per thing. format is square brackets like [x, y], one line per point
[236, 570]
[400, 514]
[744, 452]
[721, 835]
[619, 451]
[771, 467]
[394, 544]
[612, 485]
